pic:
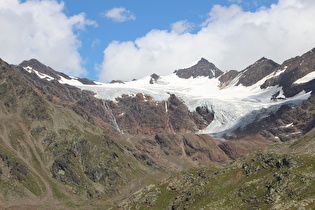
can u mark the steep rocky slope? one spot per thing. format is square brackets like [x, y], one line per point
[51, 156]
[260, 69]
[286, 124]
[177, 151]
[47, 72]
[249, 76]
[142, 115]
[82, 102]
[294, 69]
[290, 122]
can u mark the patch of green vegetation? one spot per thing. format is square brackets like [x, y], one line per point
[81, 159]
[165, 196]
[57, 193]
[35, 161]
[16, 135]
[261, 180]
[34, 184]
[38, 132]
[9, 100]
[49, 138]
[41, 155]
[20, 173]
[11, 188]
[38, 168]
[1, 127]
[309, 137]
[34, 108]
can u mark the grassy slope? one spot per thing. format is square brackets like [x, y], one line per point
[264, 179]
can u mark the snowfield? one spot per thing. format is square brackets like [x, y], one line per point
[306, 78]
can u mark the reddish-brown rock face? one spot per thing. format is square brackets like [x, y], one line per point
[139, 114]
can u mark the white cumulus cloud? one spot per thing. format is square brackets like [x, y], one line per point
[41, 30]
[182, 26]
[230, 38]
[120, 14]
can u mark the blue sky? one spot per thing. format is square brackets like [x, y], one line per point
[125, 39]
[149, 15]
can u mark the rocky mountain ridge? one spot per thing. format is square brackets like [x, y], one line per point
[203, 68]
[251, 74]
[48, 73]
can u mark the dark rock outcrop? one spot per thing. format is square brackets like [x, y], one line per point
[38, 66]
[117, 82]
[86, 81]
[295, 68]
[227, 77]
[41, 68]
[202, 117]
[203, 68]
[257, 71]
[154, 78]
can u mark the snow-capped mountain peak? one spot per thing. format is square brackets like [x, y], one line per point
[202, 68]
[47, 73]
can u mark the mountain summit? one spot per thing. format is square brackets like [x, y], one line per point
[46, 72]
[203, 68]
[43, 69]
[257, 71]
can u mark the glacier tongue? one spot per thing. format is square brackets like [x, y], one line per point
[229, 116]
[233, 107]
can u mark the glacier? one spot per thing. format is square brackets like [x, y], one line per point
[233, 106]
